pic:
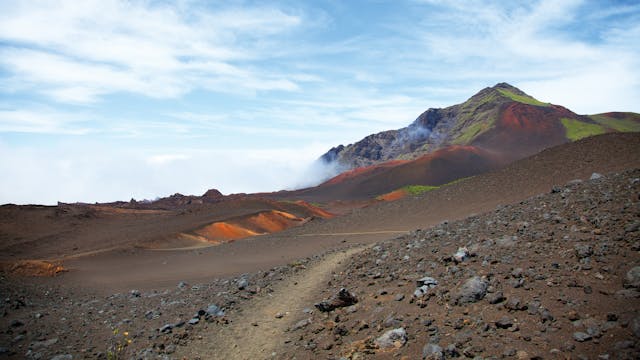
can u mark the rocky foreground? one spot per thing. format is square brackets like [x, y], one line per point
[555, 276]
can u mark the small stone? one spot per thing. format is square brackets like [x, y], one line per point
[515, 304]
[182, 285]
[472, 290]
[581, 337]
[392, 338]
[63, 357]
[596, 176]
[301, 324]
[214, 310]
[496, 297]
[166, 328]
[242, 283]
[635, 326]
[432, 351]
[279, 315]
[504, 323]
[461, 255]
[399, 297]
[135, 293]
[633, 227]
[632, 279]
[342, 299]
[43, 344]
[193, 321]
[583, 250]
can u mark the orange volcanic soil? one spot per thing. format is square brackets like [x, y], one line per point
[32, 268]
[393, 196]
[261, 223]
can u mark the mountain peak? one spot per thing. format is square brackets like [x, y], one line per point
[504, 85]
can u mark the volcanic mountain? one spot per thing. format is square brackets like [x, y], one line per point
[496, 126]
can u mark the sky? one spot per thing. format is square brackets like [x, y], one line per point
[104, 100]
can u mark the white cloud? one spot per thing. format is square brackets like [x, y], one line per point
[91, 173]
[41, 120]
[165, 159]
[78, 51]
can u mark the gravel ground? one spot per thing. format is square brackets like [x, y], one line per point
[554, 276]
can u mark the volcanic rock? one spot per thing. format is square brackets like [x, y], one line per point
[392, 338]
[341, 299]
[472, 290]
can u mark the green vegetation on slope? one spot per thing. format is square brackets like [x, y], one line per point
[521, 98]
[415, 190]
[470, 133]
[576, 129]
[626, 124]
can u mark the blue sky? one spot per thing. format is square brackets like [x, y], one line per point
[107, 100]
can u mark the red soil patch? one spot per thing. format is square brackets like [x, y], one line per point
[315, 211]
[393, 196]
[522, 130]
[32, 268]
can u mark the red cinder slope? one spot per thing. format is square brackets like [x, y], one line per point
[437, 168]
[523, 130]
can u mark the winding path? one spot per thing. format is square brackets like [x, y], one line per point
[255, 332]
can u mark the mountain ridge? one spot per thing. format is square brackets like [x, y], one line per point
[488, 119]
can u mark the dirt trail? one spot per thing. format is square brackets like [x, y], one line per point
[256, 333]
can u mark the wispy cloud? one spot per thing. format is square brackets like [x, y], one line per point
[42, 121]
[76, 52]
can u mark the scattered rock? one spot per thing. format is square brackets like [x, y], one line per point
[301, 324]
[341, 299]
[392, 338]
[461, 254]
[63, 357]
[596, 176]
[242, 283]
[214, 310]
[472, 290]
[166, 328]
[632, 279]
[496, 297]
[424, 284]
[432, 352]
[583, 250]
[633, 227]
[581, 337]
[504, 323]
